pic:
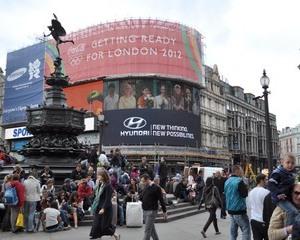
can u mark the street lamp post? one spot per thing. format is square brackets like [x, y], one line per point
[102, 124]
[264, 80]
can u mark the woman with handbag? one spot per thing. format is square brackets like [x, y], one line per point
[102, 208]
[212, 201]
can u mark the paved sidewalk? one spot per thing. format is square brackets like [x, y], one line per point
[184, 229]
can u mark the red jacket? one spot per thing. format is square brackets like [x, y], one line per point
[2, 155]
[20, 192]
[84, 191]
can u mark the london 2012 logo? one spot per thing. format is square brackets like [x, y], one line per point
[135, 123]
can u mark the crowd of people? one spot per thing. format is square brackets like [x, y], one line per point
[45, 204]
[273, 204]
[104, 185]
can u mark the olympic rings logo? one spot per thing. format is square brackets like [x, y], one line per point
[75, 61]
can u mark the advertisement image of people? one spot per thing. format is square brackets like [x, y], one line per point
[196, 104]
[111, 100]
[127, 100]
[146, 99]
[188, 99]
[150, 94]
[177, 100]
[162, 101]
[144, 94]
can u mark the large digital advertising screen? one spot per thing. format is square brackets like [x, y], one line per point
[132, 47]
[151, 126]
[87, 96]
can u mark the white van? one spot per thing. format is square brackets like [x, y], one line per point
[209, 171]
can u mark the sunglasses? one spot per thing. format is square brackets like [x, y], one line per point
[297, 193]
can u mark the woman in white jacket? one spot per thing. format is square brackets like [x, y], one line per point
[49, 187]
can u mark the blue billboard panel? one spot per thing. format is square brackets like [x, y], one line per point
[151, 126]
[24, 82]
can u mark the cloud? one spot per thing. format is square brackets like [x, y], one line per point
[261, 37]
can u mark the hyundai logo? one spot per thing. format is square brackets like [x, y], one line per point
[135, 122]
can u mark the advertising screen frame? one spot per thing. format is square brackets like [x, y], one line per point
[24, 82]
[132, 47]
[151, 127]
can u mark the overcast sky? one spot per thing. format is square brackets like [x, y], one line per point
[241, 37]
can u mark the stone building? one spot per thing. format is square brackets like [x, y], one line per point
[1, 105]
[213, 118]
[247, 129]
[289, 141]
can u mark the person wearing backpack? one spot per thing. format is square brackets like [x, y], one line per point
[19, 207]
[212, 201]
[236, 191]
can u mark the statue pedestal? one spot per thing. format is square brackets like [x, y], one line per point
[54, 126]
[58, 161]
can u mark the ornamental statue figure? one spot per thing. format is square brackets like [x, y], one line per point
[57, 31]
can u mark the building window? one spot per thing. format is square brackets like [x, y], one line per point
[211, 140]
[209, 103]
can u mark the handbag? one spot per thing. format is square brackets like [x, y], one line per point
[20, 220]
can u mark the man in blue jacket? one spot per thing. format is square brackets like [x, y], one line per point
[236, 192]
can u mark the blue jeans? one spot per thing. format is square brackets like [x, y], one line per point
[241, 221]
[183, 195]
[29, 210]
[64, 217]
[55, 228]
[290, 210]
[150, 231]
[121, 215]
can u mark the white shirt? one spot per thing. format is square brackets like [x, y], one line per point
[32, 189]
[111, 103]
[161, 102]
[51, 190]
[103, 160]
[190, 180]
[256, 202]
[127, 102]
[51, 216]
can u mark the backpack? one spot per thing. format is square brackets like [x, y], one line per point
[211, 200]
[11, 197]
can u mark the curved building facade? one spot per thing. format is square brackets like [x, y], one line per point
[152, 73]
[144, 75]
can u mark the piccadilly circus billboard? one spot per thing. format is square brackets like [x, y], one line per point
[111, 51]
[23, 82]
[151, 126]
[132, 47]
